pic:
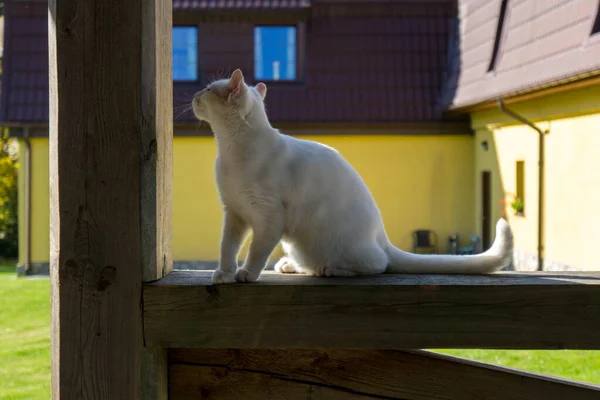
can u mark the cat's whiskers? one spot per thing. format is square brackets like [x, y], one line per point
[180, 110]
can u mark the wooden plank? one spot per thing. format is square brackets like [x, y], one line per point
[269, 278]
[157, 174]
[505, 311]
[157, 139]
[108, 182]
[355, 374]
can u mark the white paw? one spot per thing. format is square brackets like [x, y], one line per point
[284, 266]
[220, 277]
[243, 275]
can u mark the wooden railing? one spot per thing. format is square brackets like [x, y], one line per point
[501, 311]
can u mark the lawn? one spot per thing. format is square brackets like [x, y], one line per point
[25, 345]
[25, 333]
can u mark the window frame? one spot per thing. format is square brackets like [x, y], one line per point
[520, 184]
[198, 69]
[300, 53]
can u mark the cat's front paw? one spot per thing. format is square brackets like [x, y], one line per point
[243, 275]
[221, 277]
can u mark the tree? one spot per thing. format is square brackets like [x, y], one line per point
[9, 226]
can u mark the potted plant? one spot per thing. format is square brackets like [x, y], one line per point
[518, 206]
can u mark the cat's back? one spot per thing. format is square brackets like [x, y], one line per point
[323, 191]
[313, 152]
[319, 169]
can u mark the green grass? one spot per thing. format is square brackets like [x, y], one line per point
[25, 344]
[24, 337]
[572, 364]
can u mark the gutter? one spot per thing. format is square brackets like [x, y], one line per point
[580, 81]
[541, 170]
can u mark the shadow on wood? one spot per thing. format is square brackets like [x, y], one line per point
[354, 374]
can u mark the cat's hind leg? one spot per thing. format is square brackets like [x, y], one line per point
[286, 265]
[361, 260]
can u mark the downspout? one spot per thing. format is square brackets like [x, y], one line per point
[27, 264]
[541, 170]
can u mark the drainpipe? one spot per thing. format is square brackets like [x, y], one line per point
[27, 264]
[541, 152]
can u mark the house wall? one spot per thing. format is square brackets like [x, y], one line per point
[418, 182]
[571, 191]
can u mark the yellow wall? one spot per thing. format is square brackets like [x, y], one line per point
[572, 156]
[40, 205]
[418, 182]
[21, 199]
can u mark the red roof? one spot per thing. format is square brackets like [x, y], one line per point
[181, 5]
[363, 63]
[24, 96]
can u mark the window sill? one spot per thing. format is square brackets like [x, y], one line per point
[534, 310]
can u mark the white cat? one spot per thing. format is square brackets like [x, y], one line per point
[306, 195]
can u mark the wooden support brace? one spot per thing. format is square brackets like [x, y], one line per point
[355, 375]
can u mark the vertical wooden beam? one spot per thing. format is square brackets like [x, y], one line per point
[157, 177]
[110, 173]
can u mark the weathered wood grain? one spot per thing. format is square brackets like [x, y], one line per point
[156, 173]
[110, 191]
[355, 374]
[203, 278]
[518, 311]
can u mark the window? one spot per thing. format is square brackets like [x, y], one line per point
[185, 53]
[499, 28]
[275, 53]
[520, 195]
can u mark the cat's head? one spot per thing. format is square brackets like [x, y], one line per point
[228, 99]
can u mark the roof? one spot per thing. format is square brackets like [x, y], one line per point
[25, 96]
[182, 5]
[364, 63]
[381, 65]
[543, 42]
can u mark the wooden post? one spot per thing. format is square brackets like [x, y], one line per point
[110, 189]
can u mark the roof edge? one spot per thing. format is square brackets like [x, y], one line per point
[553, 87]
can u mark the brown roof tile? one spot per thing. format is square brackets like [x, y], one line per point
[364, 63]
[182, 5]
[25, 65]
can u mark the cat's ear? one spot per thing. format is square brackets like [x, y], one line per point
[236, 84]
[262, 89]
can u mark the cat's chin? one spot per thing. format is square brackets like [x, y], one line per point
[198, 115]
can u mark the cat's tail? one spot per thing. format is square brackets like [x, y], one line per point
[497, 257]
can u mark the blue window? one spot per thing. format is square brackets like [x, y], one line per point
[275, 53]
[185, 53]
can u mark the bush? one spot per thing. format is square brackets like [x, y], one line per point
[9, 226]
